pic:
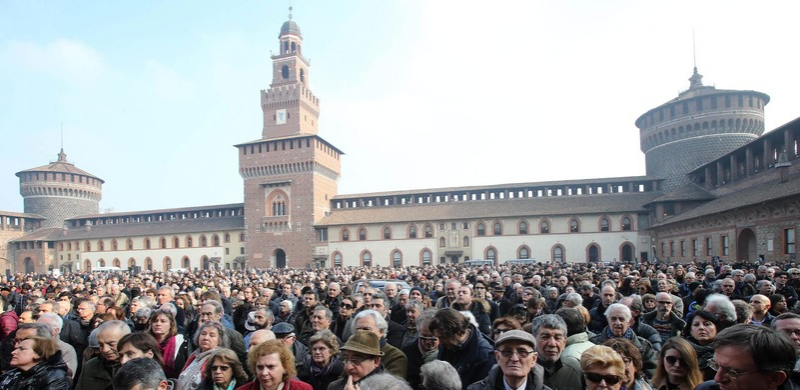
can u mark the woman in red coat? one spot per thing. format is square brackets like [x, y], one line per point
[273, 365]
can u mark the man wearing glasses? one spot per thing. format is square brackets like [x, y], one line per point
[751, 357]
[663, 319]
[361, 356]
[516, 364]
[462, 345]
[424, 350]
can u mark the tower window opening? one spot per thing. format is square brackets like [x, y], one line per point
[285, 72]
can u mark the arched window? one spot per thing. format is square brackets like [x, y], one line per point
[573, 226]
[604, 225]
[101, 263]
[442, 242]
[131, 263]
[227, 237]
[187, 263]
[412, 231]
[558, 254]
[241, 237]
[285, 72]
[117, 263]
[523, 227]
[428, 231]
[345, 235]
[544, 227]
[302, 75]
[148, 264]
[101, 246]
[176, 243]
[189, 242]
[491, 254]
[215, 240]
[426, 257]
[593, 253]
[167, 264]
[87, 246]
[366, 259]
[69, 246]
[87, 265]
[337, 259]
[146, 243]
[129, 244]
[203, 241]
[362, 234]
[497, 229]
[481, 230]
[397, 259]
[626, 224]
[466, 240]
[524, 253]
[387, 233]
[163, 243]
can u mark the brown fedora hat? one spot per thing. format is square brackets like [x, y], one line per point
[364, 342]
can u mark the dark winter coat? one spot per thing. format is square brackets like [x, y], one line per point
[50, 374]
[473, 359]
[494, 381]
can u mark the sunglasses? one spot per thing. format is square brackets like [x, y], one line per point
[672, 360]
[597, 378]
[220, 368]
[347, 306]
[431, 339]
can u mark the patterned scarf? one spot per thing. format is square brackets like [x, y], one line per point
[628, 334]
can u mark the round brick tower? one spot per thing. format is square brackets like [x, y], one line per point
[59, 190]
[701, 124]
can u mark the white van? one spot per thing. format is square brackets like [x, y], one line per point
[106, 269]
[521, 262]
[478, 263]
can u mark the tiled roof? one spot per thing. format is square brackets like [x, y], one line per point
[553, 184]
[21, 215]
[554, 205]
[687, 192]
[181, 226]
[286, 137]
[61, 166]
[747, 197]
[159, 211]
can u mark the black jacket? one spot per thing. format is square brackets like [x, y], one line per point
[473, 359]
[50, 374]
[320, 380]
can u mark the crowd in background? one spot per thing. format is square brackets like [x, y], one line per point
[537, 326]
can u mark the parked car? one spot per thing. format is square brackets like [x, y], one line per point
[379, 283]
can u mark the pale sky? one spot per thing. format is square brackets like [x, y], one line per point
[418, 93]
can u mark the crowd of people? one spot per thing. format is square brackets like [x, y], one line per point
[449, 327]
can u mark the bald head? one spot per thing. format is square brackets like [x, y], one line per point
[259, 337]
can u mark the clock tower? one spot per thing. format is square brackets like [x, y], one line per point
[290, 173]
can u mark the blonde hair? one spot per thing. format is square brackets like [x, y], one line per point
[601, 356]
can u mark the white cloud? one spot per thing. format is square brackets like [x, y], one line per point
[68, 60]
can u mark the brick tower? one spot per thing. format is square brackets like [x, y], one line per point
[701, 124]
[290, 173]
[60, 190]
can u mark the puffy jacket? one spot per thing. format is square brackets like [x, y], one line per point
[50, 374]
[494, 380]
[473, 359]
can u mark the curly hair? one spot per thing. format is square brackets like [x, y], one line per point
[268, 348]
[228, 357]
[327, 337]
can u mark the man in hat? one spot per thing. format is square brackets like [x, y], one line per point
[395, 361]
[516, 364]
[285, 332]
[498, 295]
[361, 356]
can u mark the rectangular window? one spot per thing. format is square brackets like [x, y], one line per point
[683, 248]
[695, 249]
[441, 226]
[725, 246]
[788, 239]
[672, 248]
[663, 250]
[227, 251]
[709, 251]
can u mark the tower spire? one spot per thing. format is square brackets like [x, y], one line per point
[62, 157]
[290, 10]
[696, 81]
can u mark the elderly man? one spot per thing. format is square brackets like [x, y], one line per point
[722, 308]
[213, 311]
[361, 356]
[550, 332]
[516, 364]
[464, 302]
[663, 319]
[285, 332]
[634, 302]
[462, 345]
[321, 319]
[55, 322]
[761, 316]
[394, 360]
[259, 337]
[619, 320]
[751, 357]
[424, 350]
[451, 292]
[390, 289]
[98, 372]
[413, 309]
[167, 295]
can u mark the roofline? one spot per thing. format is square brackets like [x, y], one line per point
[262, 140]
[716, 92]
[156, 211]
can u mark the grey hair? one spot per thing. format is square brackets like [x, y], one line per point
[621, 308]
[415, 305]
[384, 381]
[169, 307]
[380, 322]
[54, 320]
[42, 329]
[724, 305]
[749, 278]
[115, 325]
[551, 289]
[762, 282]
[146, 301]
[425, 317]
[140, 373]
[440, 375]
[216, 304]
[328, 312]
[575, 298]
[549, 321]
[223, 341]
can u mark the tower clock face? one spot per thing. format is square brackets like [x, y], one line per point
[280, 117]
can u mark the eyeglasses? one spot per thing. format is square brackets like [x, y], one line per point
[790, 332]
[597, 378]
[355, 360]
[346, 306]
[729, 372]
[522, 353]
[497, 331]
[220, 368]
[428, 339]
[672, 360]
